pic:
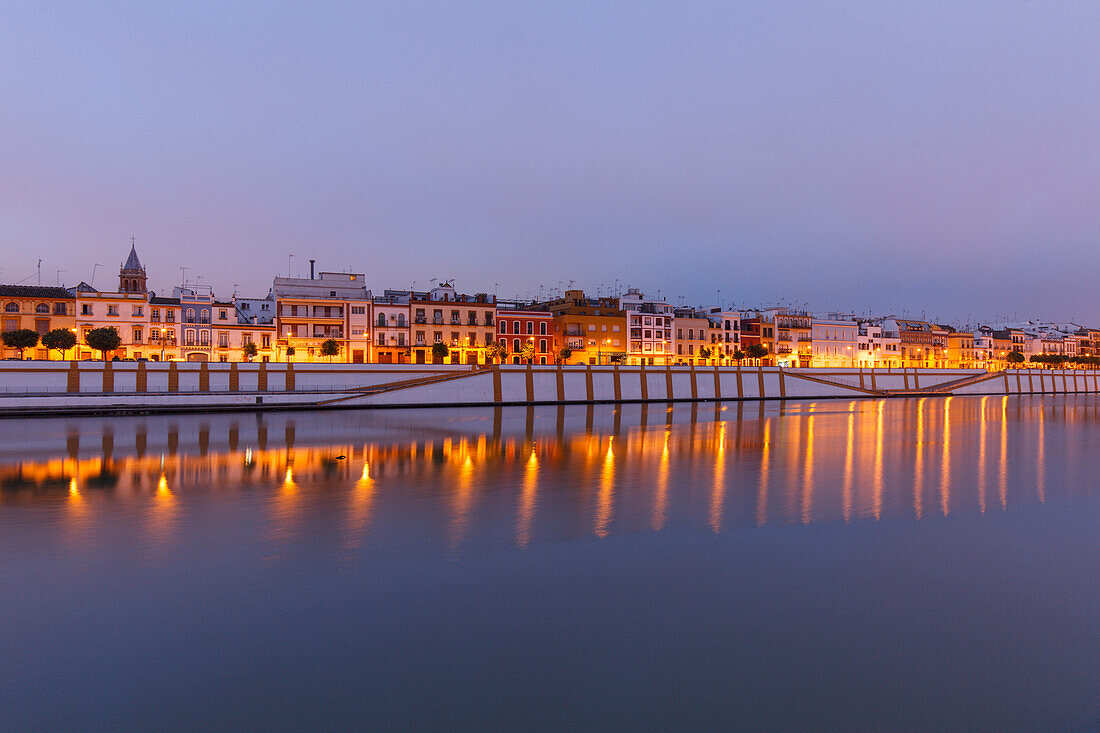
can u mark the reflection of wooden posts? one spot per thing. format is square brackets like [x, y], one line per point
[140, 442]
[74, 377]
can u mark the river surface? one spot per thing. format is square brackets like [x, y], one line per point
[880, 565]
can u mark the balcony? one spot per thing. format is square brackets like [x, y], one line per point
[420, 319]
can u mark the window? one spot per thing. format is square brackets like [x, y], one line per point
[204, 338]
[401, 320]
[265, 340]
[59, 309]
[137, 335]
[223, 339]
[154, 315]
[169, 316]
[42, 308]
[542, 328]
[112, 310]
[137, 311]
[190, 316]
[358, 310]
[222, 314]
[204, 316]
[189, 337]
[530, 327]
[11, 308]
[382, 319]
[504, 326]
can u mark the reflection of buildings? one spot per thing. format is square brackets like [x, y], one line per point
[521, 475]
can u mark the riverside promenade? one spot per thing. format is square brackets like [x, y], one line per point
[43, 388]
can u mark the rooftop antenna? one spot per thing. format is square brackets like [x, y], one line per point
[40, 272]
[183, 275]
[93, 273]
[59, 276]
[290, 265]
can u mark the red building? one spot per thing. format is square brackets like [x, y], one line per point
[516, 327]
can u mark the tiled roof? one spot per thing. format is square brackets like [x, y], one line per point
[33, 291]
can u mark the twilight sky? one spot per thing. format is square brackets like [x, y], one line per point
[912, 156]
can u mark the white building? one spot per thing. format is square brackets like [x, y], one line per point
[835, 342]
[649, 324]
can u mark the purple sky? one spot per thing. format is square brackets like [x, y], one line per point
[937, 157]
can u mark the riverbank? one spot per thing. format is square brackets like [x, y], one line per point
[72, 388]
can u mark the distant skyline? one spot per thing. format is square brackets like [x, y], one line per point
[934, 157]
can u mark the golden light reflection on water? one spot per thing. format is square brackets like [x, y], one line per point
[756, 464]
[660, 506]
[718, 487]
[527, 500]
[606, 500]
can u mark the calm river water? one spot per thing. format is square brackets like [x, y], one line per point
[870, 564]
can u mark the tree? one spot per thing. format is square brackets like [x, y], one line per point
[564, 353]
[103, 339]
[289, 352]
[738, 355]
[61, 339]
[528, 351]
[24, 338]
[1015, 357]
[250, 351]
[756, 351]
[495, 351]
[439, 352]
[330, 348]
[704, 352]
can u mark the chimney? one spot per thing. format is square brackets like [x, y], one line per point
[311, 269]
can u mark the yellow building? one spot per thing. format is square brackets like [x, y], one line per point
[465, 323]
[39, 309]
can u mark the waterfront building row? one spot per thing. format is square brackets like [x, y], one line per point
[334, 316]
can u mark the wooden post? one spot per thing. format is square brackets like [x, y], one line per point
[644, 383]
[530, 384]
[718, 383]
[234, 378]
[498, 394]
[618, 384]
[261, 377]
[142, 378]
[694, 384]
[204, 377]
[590, 392]
[173, 377]
[74, 376]
[290, 376]
[561, 384]
[108, 377]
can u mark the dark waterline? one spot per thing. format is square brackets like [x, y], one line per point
[868, 564]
